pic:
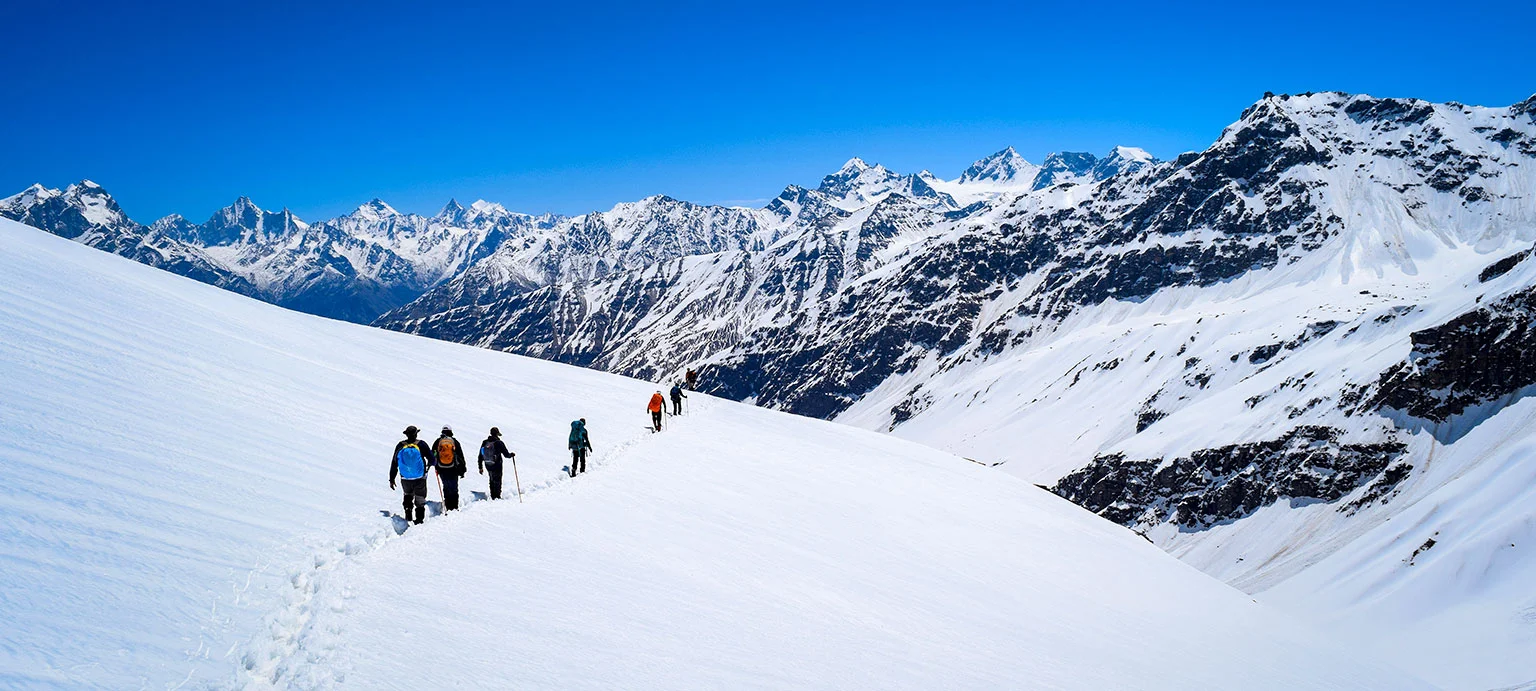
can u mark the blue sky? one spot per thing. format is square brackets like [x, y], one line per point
[318, 107]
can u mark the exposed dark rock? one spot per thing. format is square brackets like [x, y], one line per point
[1476, 359]
[1503, 266]
[1226, 483]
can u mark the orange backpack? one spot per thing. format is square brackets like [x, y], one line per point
[445, 452]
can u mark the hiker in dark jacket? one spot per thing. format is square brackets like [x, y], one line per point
[409, 461]
[693, 380]
[448, 459]
[677, 399]
[580, 445]
[492, 451]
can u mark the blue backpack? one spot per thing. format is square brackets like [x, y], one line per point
[578, 435]
[412, 465]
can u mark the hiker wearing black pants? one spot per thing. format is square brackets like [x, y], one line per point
[677, 399]
[579, 445]
[449, 462]
[410, 463]
[492, 451]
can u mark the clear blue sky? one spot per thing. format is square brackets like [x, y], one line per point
[319, 107]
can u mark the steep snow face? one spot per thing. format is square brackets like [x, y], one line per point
[214, 521]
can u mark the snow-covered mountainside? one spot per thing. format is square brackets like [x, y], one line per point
[1264, 355]
[198, 478]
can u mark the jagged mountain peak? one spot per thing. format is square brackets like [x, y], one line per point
[856, 176]
[29, 196]
[1005, 166]
[1064, 166]
[453, 207]
[854, 166]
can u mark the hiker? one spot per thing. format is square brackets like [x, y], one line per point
[410, 463]
[677, 398]
[449, 461]
[580, 445]
[657, 405]
[693, 380]
[492, 451]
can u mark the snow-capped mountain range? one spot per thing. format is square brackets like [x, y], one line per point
[353, 267]
[1304, 350]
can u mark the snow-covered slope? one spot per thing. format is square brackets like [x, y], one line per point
[197, 478]
[1258, 354]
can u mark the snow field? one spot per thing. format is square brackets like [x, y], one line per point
[199, 478]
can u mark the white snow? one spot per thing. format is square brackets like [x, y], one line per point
[196, 480]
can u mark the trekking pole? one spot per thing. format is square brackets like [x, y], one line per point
[440, 493]
[514, 479]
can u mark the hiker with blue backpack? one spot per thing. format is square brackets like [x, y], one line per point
[579, 445]
[410, 463]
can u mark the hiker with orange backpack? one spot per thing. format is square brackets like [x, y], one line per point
[410, 463]
[448, 459]
[657, 405]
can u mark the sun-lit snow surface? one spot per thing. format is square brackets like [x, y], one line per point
[197, 479]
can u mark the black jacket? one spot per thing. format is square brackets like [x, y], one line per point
[498, 451]
[677, 393]
[394, 458]
[457, 467]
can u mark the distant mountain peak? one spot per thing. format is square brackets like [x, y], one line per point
[1063, 166]
[854, 165]
[1005, 166]
[1121, 159]
[853, 175]
[375, 210]
[486, 207]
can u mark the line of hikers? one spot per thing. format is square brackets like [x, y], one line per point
[413, 457]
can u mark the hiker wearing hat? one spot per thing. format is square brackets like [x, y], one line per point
[492, 451]
[448, 459]
[410, 463]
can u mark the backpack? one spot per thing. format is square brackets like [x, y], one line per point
[578, 435]
[488, 452]
[445, 452]
[412, 465]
